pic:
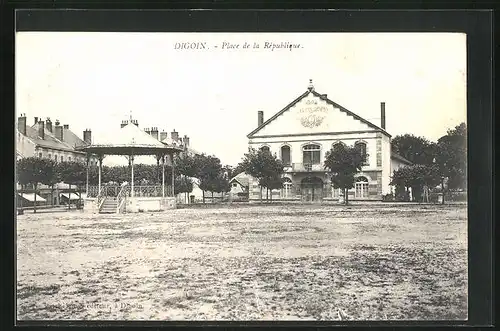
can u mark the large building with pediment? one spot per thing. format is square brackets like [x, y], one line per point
[300, 135]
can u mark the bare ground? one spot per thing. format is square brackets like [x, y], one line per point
[296, 262]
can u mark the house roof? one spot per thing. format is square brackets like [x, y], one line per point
[72, 139]
[399, 158]
[241, 178]
[319, 95]
[49, 141]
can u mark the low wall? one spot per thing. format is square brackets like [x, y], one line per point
[90, 206]
[135, 205]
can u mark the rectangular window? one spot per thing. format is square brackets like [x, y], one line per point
[62, 158]
[40, 154]
[50, 156]
[55, 157]
[69, 158]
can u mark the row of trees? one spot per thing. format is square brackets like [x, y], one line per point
[211, 175]
[442, 163]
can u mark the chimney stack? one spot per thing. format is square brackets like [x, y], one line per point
[124, 123]
[66, 126]
[36, 119]
[41, 129]
[186, 140]
[260, 117]
[58, 131]
[87, 136]
[174, 135]
[382, 115]
[163, 135]
[21, 124]
[134, 122]
[154, 132]
[48, 124]
[147, 130]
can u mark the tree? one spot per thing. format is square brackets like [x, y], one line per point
[451, 158]
[263, 166]
[417, 177]
[417, 150]
[343, 162]
[209, 169]
[34, 170]
[72, 173]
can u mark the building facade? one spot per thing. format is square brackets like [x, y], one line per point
[305, 130]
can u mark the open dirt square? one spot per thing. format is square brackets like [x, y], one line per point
[278, 262]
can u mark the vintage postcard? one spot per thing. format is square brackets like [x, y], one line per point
[241, 176]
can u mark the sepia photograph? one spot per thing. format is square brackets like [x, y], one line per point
[241, 176]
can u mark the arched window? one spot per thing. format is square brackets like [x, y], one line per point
[265, 149]
[311, 154]
[361, 146]
[337, 144]
[55, 157]
[361, 187]
[285, 155]
[286, 191]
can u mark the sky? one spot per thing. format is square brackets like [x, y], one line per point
[95, 80]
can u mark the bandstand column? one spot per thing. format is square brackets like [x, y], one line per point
[87, 180]
[163, 175]
[100, 172]
[173, 175]
[132, 177]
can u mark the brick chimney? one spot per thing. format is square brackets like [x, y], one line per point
[260, 117]
[134, 122]
[163, 135]
[58, 131]
[87, 136]
[174, 135]
[124, 123]
[21, 124]
[154, 132]
[66, 126]
[41, 129]
[48, 124]
[36, 119]
[186, 141]
[147, 130]
[382, 115]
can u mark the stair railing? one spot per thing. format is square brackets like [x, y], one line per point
[121, 198]
[100, 199]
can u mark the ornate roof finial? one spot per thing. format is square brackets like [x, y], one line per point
[311, 86]
[130, 116]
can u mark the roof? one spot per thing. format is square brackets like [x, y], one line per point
[72, 139]
[241, 178]
[124, 139]
[319, 95]
[398, 157]
[31, 197]
[49, 141]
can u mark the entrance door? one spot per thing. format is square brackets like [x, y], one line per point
[361, 188]
[312, 189]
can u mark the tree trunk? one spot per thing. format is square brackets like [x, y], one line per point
[22, 197]
[271, 195]
[52, 195]
[212, 196]
[203, 196]
[69, 198]
[346, 197]
[260, 194]
[267, 194]
[34, 203]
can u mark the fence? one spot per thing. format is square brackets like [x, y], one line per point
[139, 191]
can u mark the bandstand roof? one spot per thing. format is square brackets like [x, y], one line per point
[129, 140]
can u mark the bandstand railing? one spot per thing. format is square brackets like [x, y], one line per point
[139, 191]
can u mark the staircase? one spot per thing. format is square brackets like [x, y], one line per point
[109, 206]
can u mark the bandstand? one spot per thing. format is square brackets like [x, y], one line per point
[130, 142]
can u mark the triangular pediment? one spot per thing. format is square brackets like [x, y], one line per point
[313, 113]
